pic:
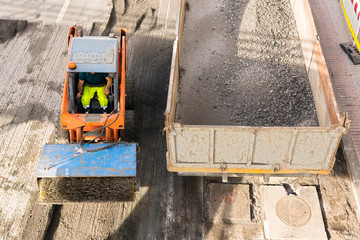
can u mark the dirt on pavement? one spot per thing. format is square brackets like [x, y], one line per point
[9, 28]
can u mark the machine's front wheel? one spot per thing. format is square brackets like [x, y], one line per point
[130, 94]
[128, 134]
[62, 136]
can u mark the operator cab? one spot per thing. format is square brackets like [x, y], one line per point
[93, 54]
[75, 102]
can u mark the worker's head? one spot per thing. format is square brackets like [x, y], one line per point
[92, 72]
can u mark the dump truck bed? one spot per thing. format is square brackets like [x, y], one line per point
[247, 95]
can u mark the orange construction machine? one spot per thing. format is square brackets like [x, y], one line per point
[98, 137]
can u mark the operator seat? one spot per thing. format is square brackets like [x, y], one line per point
[75, 102]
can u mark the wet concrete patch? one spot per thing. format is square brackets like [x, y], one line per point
[229, 203]
[229, 213]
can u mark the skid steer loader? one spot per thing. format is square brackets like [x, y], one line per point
[98, 163]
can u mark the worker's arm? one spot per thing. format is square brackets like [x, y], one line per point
[108, 85]
[80, 88]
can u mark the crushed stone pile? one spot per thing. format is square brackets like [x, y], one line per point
[242, 64]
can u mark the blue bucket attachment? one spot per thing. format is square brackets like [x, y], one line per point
[67, 160]
[68, 174]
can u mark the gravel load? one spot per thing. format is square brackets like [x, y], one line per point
[242, 64]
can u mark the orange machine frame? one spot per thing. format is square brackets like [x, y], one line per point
[76, 123]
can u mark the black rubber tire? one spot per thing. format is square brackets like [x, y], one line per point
[72, 92]
[80, 31]
[128, 134]
[62, 136]
[130, 94]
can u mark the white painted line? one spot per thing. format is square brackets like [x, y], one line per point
[62, 11]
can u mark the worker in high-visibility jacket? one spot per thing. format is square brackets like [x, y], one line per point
[89, 83]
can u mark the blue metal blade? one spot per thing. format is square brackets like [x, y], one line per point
[66, 160]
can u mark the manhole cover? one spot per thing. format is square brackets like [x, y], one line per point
[293, 211]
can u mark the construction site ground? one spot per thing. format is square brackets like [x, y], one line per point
[33, 53]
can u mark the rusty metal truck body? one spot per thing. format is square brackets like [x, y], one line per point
[233, 150]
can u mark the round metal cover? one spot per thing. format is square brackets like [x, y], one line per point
[293, 211]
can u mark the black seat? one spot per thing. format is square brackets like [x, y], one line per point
[95, 105]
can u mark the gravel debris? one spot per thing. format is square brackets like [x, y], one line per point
[242, 64]
[86, 189]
